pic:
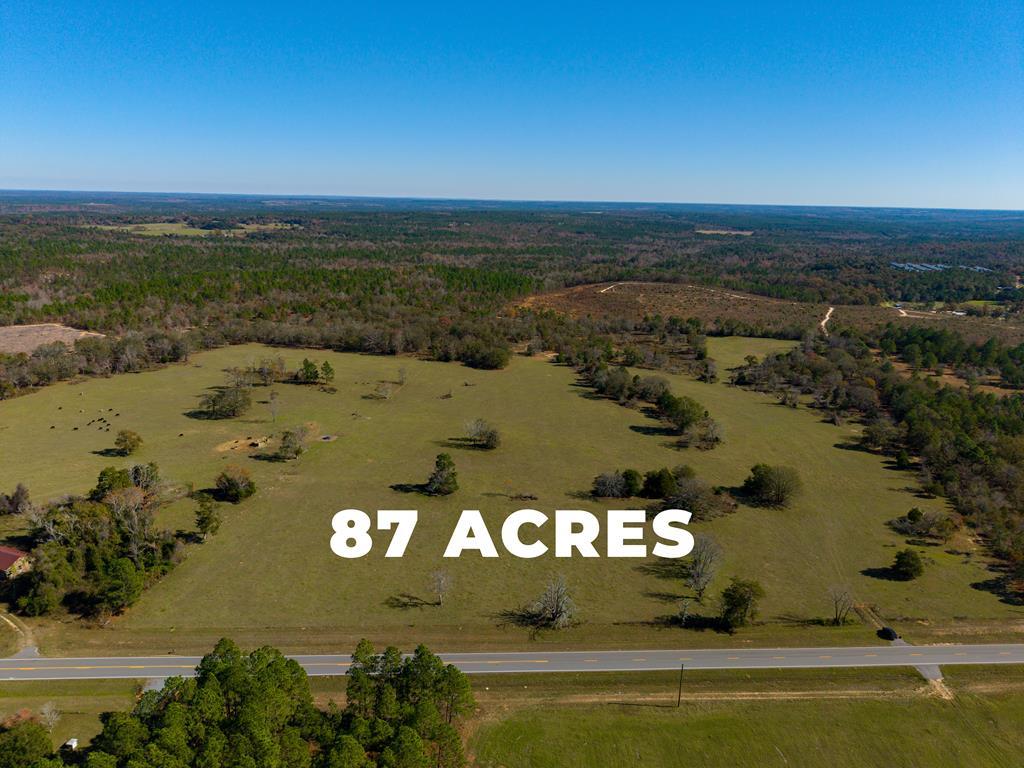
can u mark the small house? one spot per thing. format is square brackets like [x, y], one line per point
[13, 562]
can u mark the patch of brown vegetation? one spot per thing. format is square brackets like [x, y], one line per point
[636, 300]
[26, 338]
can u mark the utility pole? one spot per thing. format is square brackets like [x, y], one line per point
[679, 696]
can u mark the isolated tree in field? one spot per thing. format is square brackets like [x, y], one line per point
[908, 565]
[226, 403]
[483, 434]
[207, 516]
[682, 412]
[327, 372]
[555, 608]
[740, 601]
[440, 584]
[772, 486]
[842, 604]
[274, 400]
[703, 564]
[293, 443]
[127, 442]
[443, 480]
[234, 484]
[308, 372]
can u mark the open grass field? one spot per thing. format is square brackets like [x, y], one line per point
[160, 228]
[635, 300]
[270, 577]
[855, 732]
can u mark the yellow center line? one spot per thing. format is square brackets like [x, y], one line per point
[778, 657]
[870, 655]
[824, 657]
[917, 654]
[590, 661]
[639, 659]
[732, 658]
[686, 658]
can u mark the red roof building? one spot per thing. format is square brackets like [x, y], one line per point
[12, 562]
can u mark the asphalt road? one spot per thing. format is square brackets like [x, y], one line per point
[136, 667]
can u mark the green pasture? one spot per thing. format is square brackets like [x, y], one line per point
[269, 576]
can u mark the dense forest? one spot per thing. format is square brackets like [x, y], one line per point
[247, 710]
[437, 279]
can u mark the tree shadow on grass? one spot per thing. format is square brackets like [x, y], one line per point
[886, 573]
[658, 431]
[462, 443]
[695, 622]
[410, 488]
[664, 597]
[666, 568]
[1003, 585]
[110, 453]
[404, 601]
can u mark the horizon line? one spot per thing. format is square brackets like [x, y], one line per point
[500, 200]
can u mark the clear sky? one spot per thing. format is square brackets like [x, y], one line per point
[889, 103]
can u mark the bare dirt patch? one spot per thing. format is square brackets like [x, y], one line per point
[243, 443]
[26, 338]
[738, 232]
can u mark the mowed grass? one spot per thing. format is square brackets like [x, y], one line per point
[269, 576]
[920, 732]
[80, 703]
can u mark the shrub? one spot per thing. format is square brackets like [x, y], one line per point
[293, 443]
[443, 480]
[659, 484]
[610, 485]
[127, 442]
[772, 486]
[908, 565]
[235, 484]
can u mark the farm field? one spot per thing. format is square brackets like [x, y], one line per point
[635, 300]
[269, 576]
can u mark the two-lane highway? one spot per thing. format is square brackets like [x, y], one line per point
[137, 667]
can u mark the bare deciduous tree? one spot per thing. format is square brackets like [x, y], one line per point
[842, 604]
[704, 561]
[440, 584]
[554, 608]
[49, 715]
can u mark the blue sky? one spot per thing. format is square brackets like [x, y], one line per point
[912, 104]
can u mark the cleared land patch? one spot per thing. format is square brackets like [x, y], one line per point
[269, 575]
[636, 300]
[158, 228]
[25, 338]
